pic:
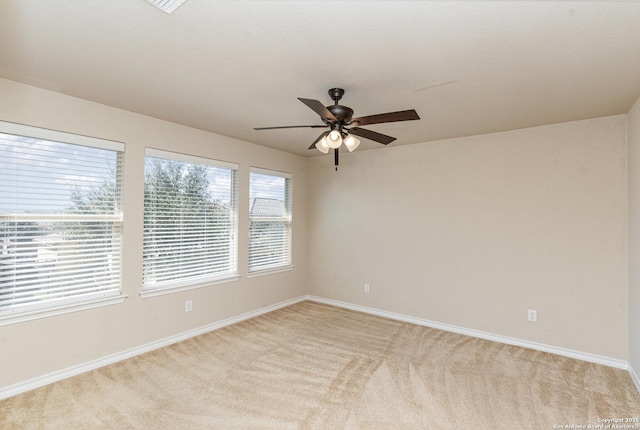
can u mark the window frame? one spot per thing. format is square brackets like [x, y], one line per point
[189, 283]
[79, 302]
[287, 219]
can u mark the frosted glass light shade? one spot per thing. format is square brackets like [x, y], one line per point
[334, 140]
[351, 142]
[322, 145]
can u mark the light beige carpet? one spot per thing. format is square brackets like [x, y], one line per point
[313, 366]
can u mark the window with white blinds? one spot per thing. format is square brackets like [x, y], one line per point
[269, 220]
[60, 219]
[190, 220]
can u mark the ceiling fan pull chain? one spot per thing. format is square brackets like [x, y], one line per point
[335, 157]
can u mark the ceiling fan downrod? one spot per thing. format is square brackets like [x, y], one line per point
[342, 114]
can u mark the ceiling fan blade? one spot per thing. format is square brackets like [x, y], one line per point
[320, 109]
[290, 126]
[403, 115]
[372, 135]
[313, 145]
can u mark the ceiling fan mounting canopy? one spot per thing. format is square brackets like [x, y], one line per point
[336, 94]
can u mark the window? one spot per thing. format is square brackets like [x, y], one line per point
[60, 220]
[269, 220]
[190, 228]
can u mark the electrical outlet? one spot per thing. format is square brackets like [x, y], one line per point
[188, 306]
[532, 315]
[366, 288]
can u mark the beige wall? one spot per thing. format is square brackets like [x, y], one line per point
[634, 237]
[475, 231]
[35, 348]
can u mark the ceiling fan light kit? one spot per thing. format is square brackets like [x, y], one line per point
[334, 139]
[351, 142]
[322, 146]
[344, 128]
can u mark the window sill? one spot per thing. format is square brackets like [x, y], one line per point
[60, 310]
[152, 292]
[270, 271]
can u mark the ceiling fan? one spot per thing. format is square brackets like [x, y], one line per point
[343, 128]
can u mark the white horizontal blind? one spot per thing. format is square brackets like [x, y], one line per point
[270, 196]
[189, 220]
[60, 219]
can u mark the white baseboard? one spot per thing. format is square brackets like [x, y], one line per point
[41, 381]
[634, 378]
[607, 361]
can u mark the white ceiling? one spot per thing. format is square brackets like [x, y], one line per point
[467, 67]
